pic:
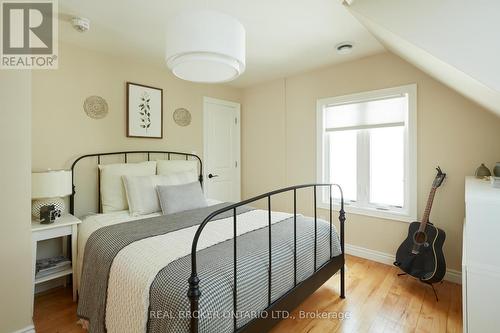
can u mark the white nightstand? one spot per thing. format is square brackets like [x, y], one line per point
[64, 226]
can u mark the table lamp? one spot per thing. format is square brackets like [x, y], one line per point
[49, 188]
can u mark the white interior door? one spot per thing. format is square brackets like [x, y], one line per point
[221, 122]
[221, 137]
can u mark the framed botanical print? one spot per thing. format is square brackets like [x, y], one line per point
[144, 111]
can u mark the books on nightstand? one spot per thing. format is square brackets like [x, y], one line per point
[49, 266]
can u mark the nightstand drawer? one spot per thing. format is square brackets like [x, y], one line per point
[52, 233]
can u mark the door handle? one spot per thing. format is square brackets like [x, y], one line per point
[212, 176]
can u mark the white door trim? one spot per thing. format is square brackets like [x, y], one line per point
[221, 102]
[237, 106]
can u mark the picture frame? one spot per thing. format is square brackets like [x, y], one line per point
[144, 111]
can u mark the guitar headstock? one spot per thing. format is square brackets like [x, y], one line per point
[438, 180]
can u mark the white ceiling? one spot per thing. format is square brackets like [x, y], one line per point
[283, 37]
[463, 55]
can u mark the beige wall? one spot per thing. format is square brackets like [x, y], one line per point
[279, 133]
[278, 128]
[62, 131]
[15, 195]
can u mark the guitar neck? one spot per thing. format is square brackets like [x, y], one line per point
[428, 208]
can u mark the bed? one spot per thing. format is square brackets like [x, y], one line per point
[225, 267]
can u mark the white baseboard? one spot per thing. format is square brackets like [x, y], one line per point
[373, 255]
[28, 329]
[452, 275]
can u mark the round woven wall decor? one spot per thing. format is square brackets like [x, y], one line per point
[95, 107]
[182, 117]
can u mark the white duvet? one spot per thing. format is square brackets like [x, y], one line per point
[135, 267]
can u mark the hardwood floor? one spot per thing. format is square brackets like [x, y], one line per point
[377, 301]
[55, 312]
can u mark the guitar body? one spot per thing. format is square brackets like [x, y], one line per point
[428, 264]
[421, 253]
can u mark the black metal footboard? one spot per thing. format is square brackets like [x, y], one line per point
[300, 290]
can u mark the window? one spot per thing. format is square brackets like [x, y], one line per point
[367, 144]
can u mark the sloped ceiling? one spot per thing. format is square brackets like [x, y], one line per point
[455, 41]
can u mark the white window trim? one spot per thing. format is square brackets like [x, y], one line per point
[410, 214]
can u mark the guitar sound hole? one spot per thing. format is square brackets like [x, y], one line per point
[419, 237]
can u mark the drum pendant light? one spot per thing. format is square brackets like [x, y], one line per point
[205, 46]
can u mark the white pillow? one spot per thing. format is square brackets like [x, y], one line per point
[168, 167]
[141, 191]
[181, 178]
[113, 196]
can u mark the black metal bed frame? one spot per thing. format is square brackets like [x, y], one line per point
[286, 302]
[301, 290]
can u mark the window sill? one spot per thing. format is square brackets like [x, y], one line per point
[372, 212]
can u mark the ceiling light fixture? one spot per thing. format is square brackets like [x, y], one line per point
[344, 48]
[205, 46]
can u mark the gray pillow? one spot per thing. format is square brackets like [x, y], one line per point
[178, 198]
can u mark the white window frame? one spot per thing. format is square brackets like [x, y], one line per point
[409, 211]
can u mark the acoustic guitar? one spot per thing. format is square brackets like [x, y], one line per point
[421, 253]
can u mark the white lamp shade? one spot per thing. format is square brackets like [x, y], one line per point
[50, 184]
[205, 46]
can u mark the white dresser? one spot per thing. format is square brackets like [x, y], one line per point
[481, 257]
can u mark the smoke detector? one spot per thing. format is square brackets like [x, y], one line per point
[81, 24]
[344, 48]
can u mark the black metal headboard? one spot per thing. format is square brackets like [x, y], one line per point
[125, 155]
